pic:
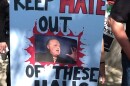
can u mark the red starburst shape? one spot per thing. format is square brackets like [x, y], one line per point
[31, 48]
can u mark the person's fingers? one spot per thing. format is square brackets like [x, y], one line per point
[2, 50]
[72, 50]
[102, 80]
[75, 50]
[3, 47]
[68, 55]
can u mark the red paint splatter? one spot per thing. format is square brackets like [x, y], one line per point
[31, 49]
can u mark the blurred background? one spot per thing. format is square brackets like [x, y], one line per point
[113, 65]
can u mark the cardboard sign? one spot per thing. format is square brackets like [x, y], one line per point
[56, 42]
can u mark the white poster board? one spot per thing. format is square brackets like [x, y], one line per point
[77, 25]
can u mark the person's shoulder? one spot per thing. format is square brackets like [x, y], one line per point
[42, 56]
[38, 56]
[39, 53]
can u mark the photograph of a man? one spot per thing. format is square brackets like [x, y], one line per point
[52, 54]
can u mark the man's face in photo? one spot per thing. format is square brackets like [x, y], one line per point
[54, 47]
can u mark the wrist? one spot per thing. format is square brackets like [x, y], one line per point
[103, 62]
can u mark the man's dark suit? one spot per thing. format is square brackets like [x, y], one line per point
[47, 57]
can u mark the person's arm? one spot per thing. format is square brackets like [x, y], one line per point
[120, 34]
[102, 52]
[3, 47]
[4, 39]
[102, 64]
